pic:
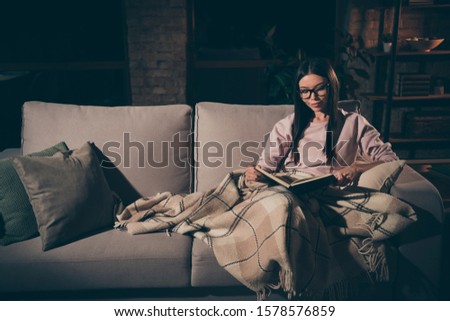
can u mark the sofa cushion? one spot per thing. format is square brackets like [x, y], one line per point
[69, 194]
[18, 220]
[108, 260]
[148, 144]
[381, 177]
[230, 137]
[205, 269]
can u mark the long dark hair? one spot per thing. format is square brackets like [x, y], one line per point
[303, 114]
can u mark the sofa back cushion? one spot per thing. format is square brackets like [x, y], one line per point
[136, 139]
[230, 137]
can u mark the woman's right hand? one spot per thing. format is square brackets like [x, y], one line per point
[252, 174]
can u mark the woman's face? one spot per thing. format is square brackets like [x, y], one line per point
[314, 92]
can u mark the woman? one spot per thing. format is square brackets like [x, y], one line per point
[318, 137]
[270, 239]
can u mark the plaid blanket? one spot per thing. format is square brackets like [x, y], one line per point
[268, 238]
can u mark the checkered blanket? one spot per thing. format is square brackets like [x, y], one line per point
[268, 238]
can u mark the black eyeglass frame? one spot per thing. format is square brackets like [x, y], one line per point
[314, 90]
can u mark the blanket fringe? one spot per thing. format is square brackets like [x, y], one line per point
[263, 294]
[342, 290]
[287, 283]
[121, 226]
[376, 259]
[374, 252]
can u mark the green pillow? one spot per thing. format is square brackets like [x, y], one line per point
[18, 220]
[69, 195]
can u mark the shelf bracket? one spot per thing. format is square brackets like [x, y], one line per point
[391, 73]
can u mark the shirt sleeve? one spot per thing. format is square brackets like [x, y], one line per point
[277, 144]
[371, 145]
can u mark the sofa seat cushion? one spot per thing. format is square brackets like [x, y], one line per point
[109, 260]
[206, 272]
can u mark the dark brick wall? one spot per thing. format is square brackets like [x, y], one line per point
[157, 37]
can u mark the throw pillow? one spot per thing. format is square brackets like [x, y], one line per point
[381, 177]
[18, 220]
[118, 183]
[69, 195]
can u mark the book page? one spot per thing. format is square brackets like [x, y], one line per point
[293, 177]
[286, 178]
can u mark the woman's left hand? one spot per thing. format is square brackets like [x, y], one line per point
[347, 175]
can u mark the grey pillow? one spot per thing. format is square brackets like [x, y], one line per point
[18, 222]
[69, 195]
[381, 177]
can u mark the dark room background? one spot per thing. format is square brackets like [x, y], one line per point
[60, 51]
[147, 52]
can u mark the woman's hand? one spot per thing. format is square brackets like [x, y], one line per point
[347, 175]
[252, 174]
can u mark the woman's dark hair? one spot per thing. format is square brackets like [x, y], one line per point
[303, 114]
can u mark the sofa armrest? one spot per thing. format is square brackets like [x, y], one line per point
[418, 191]
[421, 244]
[9, 152]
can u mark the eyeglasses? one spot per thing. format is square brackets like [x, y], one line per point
[319, 91]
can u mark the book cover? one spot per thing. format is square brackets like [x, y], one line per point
[412, 76]
[298, 182]
[413, 84]
[411, 87]
[421, 81]
[413, 93]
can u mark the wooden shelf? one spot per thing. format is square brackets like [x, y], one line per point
[43, 66]
[412, 53]
[413, 7]
[416, 140]
[431, 161]
[385, 77]
[218, 64]
[375, 97]
[427, 6]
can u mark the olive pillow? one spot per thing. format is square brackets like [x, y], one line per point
[69, 195]
[17, 218]
[381, 177]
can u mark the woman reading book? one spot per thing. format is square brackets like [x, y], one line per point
[268, 238]
[318, 138]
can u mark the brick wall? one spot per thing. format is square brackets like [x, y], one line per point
[157, 37]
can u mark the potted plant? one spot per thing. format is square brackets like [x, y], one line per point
[353, 64]
[387, 42]
[281, 71]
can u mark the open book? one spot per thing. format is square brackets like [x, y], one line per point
[299, 182]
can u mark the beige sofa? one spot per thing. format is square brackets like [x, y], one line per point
[115, 264]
